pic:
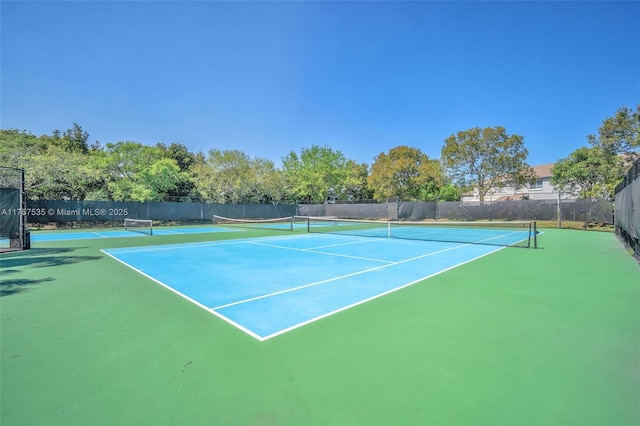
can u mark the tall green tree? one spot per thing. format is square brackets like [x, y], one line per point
[137, 172]
[275, 187]
[619, 134]
[57, 174]
[585, 173]
[178, 152]
[483, 159]
[74, 139]
[316, 174]
[594, 171]
[185, 160]
[355, 186]
[160, 179]
[52, 171]
[407, 173]
[18, 146]
[232, 176]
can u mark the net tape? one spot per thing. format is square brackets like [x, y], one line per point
[510, 234]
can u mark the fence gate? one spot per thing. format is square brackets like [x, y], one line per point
[13, 208]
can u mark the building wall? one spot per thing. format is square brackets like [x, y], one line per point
[541, 190]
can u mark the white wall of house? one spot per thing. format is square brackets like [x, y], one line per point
[541, 189]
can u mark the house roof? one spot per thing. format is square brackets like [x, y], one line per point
[543, 170]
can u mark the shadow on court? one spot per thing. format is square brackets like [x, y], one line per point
[45, 257]
[10, 287]
[34, 258]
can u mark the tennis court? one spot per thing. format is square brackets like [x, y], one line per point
[268, 286]
[311, 328]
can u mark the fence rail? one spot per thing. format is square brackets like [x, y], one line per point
[90, 213]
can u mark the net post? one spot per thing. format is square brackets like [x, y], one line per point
[389, 229]
[535, 235]
[23, 217]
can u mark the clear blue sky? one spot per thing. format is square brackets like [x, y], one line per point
[362, 77]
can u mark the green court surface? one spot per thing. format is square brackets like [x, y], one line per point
[519, 337]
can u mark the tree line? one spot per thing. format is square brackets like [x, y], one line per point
[64, 166]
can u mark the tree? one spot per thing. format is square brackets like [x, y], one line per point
[75, 139]
[274, 186]
[185, 160]
[18, 146]
[406, 173]
[593, 172]
[51, 170]
[355, 186]
[449, 192]
[56, 174]
[312, 174]
[71, 140]
[179, 153]
[231, 176]
[620, 134]
[584, 173]
[136, 172]
[160, 179]
[483, 159]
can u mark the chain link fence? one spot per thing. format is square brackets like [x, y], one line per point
[64, 214]
[627, 208]
[580, 210]
[56, 213]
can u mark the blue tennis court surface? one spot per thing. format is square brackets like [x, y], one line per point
[268, 286]
[88, 235]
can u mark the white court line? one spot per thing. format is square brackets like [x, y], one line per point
[344, 308]
[170, 232]
[160, 247]
[264, 296]
[314, 250]
[367, 240]
[195, 302]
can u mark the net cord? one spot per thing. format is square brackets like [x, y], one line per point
[531, 225]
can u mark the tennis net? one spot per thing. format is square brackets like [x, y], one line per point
[143, 226]
[280, 223]
[509, 234]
